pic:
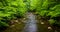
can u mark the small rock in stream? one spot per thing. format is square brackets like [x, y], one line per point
[49, 28]
[16, 21]
[24, 18]
[42, 22]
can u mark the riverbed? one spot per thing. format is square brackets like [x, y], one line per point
[31, 23]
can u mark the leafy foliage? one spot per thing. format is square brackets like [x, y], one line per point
[51, 21]
[50, 9]
[11, 9]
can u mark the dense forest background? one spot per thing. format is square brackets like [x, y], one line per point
[13, 9]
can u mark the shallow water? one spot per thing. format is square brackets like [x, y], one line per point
[31, 25]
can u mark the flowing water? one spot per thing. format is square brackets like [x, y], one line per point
[31, 25]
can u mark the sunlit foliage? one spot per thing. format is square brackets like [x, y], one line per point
[50, 9]
[11, 9]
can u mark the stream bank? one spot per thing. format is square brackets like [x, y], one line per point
[16, 25]
[31, 23]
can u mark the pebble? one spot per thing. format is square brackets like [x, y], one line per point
[49, 28]
[24, 18]
[42, 22]
[16, 21]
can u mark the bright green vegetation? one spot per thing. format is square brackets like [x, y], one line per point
[11, 9]
[49, 9]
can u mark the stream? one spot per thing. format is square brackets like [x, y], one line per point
[31, 25]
